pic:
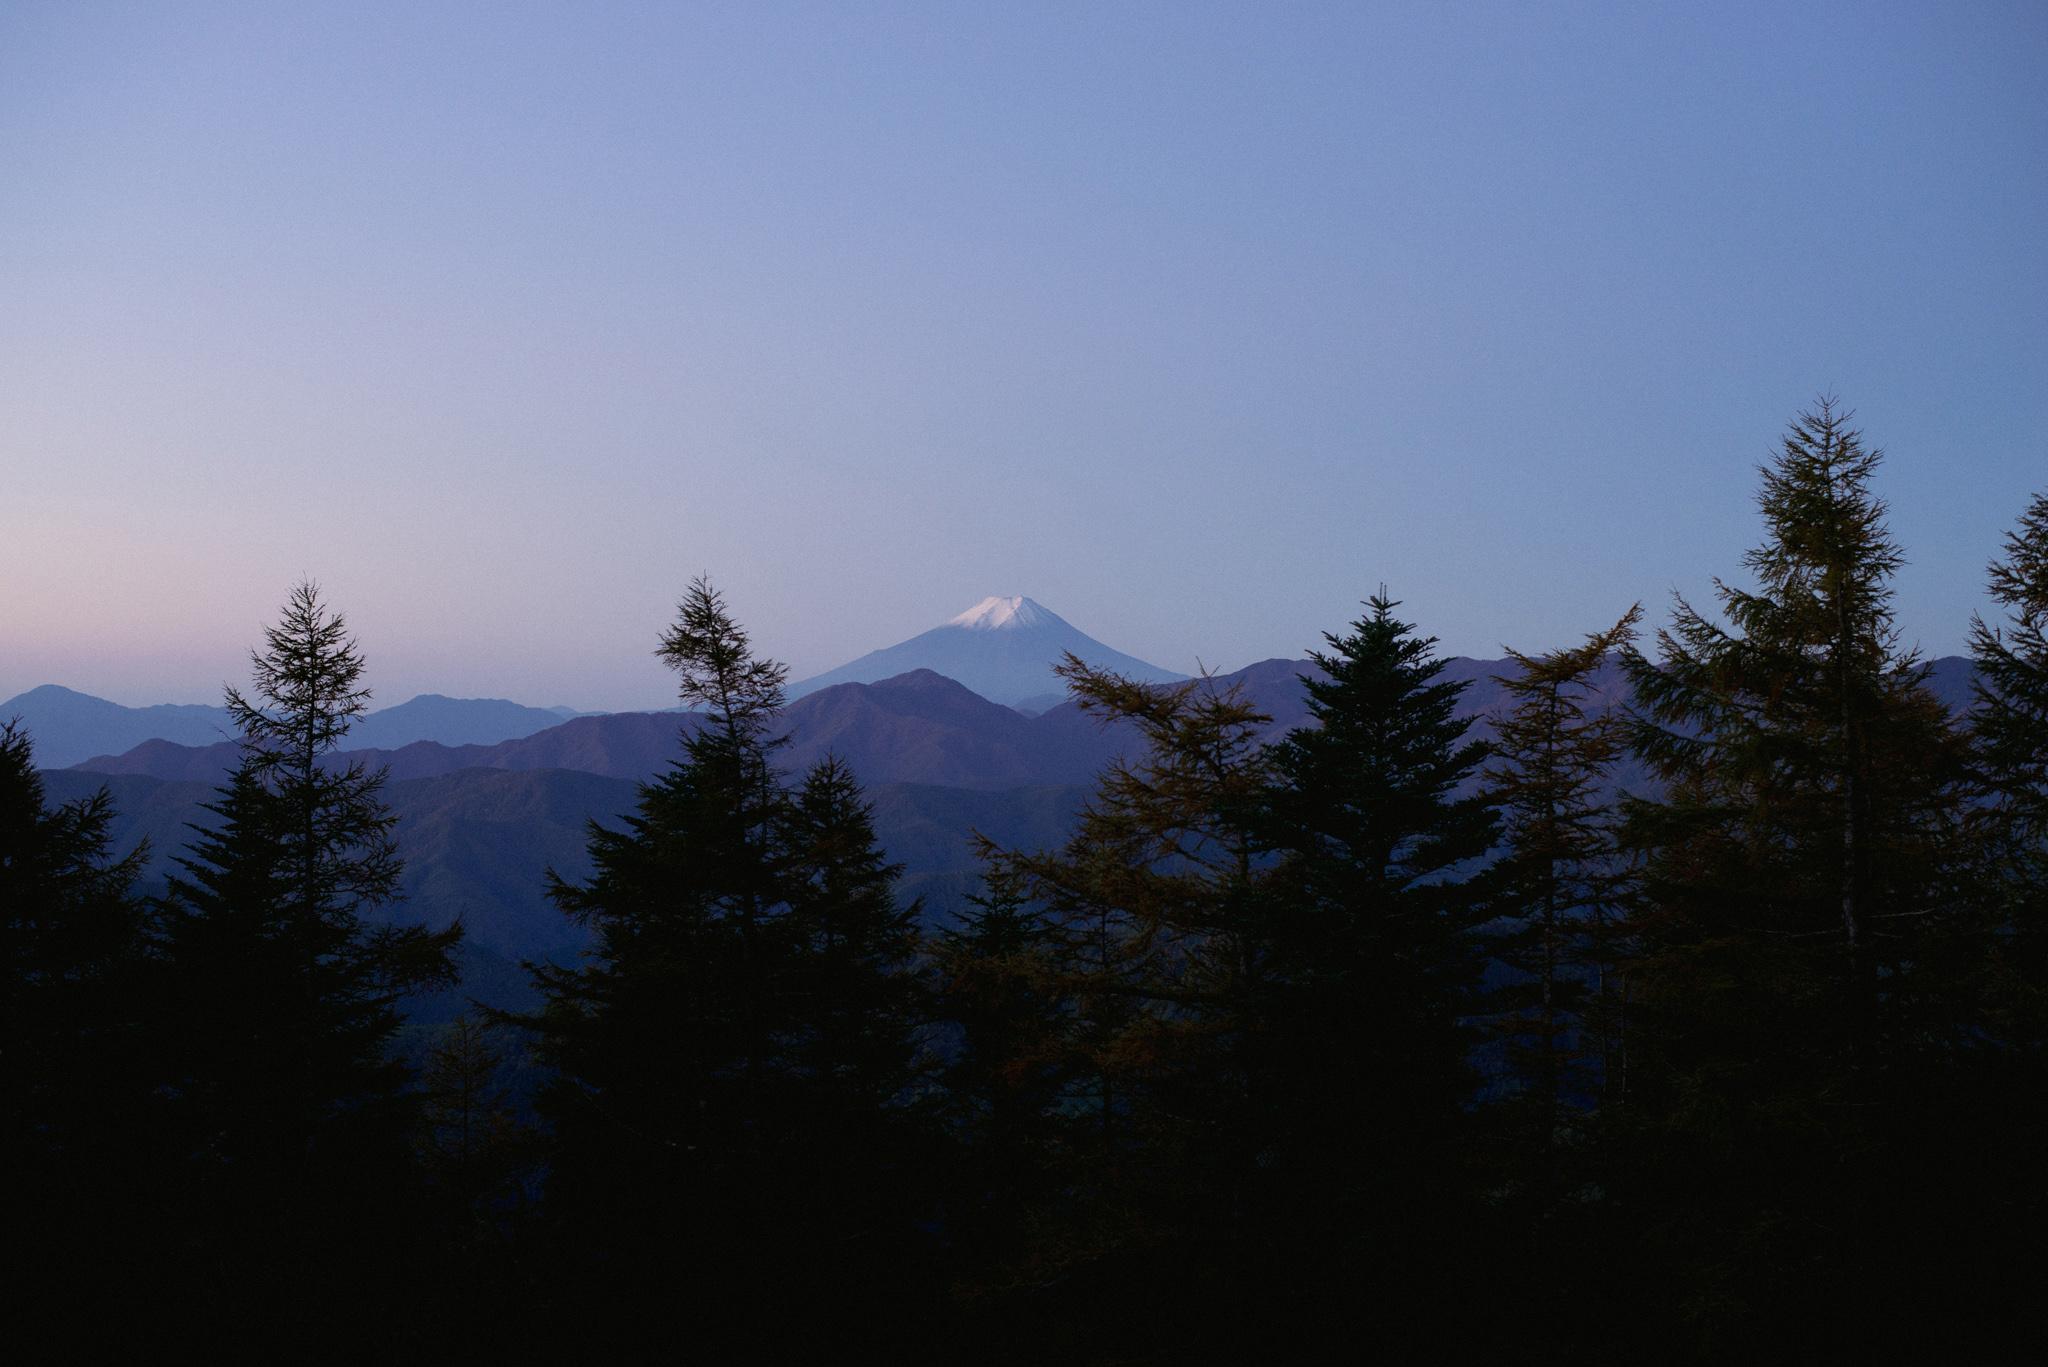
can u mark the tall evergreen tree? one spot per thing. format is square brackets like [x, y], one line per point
[280, 980]
[2009, 728]
[1559, 879]
[858, 1007]
[1151, 927]
[482, 1157]
[663, 1040]
[75, 1058]
[2009, 744]
[469, 1130]
[1797, 921]
[854, 1171]
[72, 942]
[995, 988]
[733, 1054]
[1380, 829]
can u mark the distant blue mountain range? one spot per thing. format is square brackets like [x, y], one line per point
[1001, 649]
[70, 727]
[482, 822]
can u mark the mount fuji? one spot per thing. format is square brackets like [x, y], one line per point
[1002, 648]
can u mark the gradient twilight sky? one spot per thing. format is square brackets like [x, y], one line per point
[1193, 322]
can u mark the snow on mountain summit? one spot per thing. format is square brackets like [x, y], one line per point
[993, 614]
[1002, 648]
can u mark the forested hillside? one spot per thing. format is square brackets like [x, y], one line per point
[1670, 994]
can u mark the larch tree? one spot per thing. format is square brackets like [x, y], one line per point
[663, 1039]
[2009, 743]
[1560, 878]
[281, 973]
[733, 1053]
[1811, 774]
[469, 1131]
[2009, 729]
[1798, 926]
[1149, 928]
[860, 1005]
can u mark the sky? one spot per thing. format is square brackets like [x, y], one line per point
[1195, 323]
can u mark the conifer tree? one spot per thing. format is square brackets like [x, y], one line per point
[1812, 774]
[2009, 728]
[480, 1163]
[469, 1130]
[734, 1054]
[996, 989]
[2009, 742]
[860, 1007]
[1559, 881]
[1798, 922]
[273, 931]
[271, 1041]
[1151, 926]
[76, 1082]
[280, 976]
[854, 1171]
[664, 1040]
[73, 939]
[1379, 831]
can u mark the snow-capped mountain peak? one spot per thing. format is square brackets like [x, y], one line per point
[1002, 648]
[994, 614]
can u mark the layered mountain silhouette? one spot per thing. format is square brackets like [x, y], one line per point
[478, 845]
[450, 721]
[917, 728]
[70, 726]
[1002, 648]
[480, 823]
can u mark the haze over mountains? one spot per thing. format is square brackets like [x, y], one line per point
[481, 825]
[1004, 649]
[70, 727]
[917, 728]
[492, 794]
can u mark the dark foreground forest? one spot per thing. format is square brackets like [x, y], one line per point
[1377, 1041]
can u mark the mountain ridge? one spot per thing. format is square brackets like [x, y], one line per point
[72, 727]
[1003, 648]
[481, 825]
[917, 727]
